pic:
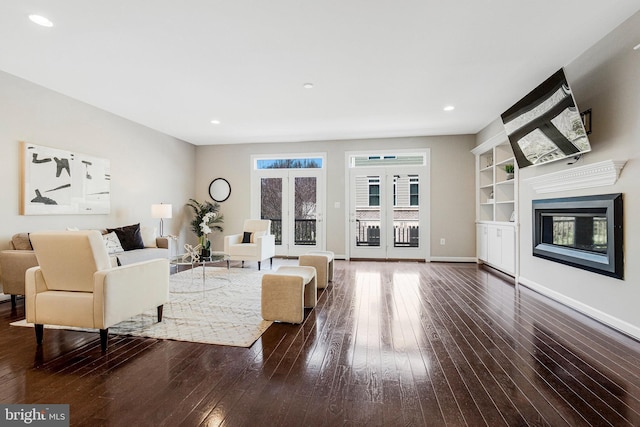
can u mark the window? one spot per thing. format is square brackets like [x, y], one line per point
[292, 163]
[414, 194]
[358, 161]
[374, 191]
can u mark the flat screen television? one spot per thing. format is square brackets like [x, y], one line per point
[545, 125]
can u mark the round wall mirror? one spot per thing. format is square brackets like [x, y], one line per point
[219, 189]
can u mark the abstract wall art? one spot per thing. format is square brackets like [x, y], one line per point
[63, 182]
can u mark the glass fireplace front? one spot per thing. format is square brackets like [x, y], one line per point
[584, 232]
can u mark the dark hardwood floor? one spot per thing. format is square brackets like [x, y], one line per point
[407, 344]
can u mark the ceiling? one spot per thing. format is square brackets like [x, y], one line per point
[380, 68]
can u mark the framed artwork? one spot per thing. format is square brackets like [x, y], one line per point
[63, 182]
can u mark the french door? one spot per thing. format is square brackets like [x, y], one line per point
[388, 212]
[290, 198]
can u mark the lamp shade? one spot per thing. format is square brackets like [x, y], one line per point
[161, 211]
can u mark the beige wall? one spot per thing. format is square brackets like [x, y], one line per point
[146, 166]
[605, 78]
[452, 188]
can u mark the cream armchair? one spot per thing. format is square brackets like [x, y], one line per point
[75, 284]
[255, 243]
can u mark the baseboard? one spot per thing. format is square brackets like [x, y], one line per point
[453, 259]
[602, 317]
[432, 259]
[335, 256]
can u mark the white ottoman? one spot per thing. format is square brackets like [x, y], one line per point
[323, 262]
[287, 292]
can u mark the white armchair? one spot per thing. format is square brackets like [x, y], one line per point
[255, 243]
[75, 284]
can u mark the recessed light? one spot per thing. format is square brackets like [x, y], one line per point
[636, 47]
[308, 85]
[40, 20]
[449, 108]
[215, 121]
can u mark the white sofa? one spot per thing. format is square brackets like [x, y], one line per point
[14, 262]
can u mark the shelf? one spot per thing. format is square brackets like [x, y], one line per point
[506, 161]
[496, 195]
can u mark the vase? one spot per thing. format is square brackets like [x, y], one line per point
[205, 253]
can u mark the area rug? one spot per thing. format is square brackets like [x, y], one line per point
[224, 311]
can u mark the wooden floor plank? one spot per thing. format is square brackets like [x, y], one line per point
[397, 343]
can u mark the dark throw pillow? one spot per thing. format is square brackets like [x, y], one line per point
[247, 237]
[129, 236]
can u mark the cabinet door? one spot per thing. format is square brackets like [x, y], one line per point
[482, 242]
[508, 249]
[494, 249]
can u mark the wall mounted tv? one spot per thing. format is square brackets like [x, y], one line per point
[545, 125]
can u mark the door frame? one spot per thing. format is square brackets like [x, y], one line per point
[424, 188]
[286, 175]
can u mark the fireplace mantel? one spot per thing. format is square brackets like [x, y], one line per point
[588, 176]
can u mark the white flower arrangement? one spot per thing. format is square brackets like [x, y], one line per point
[206, 220]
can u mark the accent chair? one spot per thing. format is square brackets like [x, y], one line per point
[255, 243]
[76, 285]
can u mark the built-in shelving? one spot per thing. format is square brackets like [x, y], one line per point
[496, 204]
[496, 195]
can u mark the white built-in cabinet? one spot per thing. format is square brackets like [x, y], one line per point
[496, 204]
[482, 241]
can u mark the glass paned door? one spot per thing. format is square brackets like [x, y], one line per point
[305, 196]
[305, 226]
[386, 213]
[406, 211]
[367, 215]
[271, 205]
[290, 199]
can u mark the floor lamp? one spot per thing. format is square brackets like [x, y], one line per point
[161, 211]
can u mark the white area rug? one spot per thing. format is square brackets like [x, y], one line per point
[225, 312]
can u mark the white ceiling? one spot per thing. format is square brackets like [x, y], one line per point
[380, 68]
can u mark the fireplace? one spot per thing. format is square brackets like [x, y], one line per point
[584, 232]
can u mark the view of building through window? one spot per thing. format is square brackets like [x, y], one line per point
[405, 210]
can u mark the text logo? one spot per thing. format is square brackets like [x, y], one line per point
[34, 415]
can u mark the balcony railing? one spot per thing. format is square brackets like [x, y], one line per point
[404, 235]
[304, 231]
[594, 235]
[367, 234]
